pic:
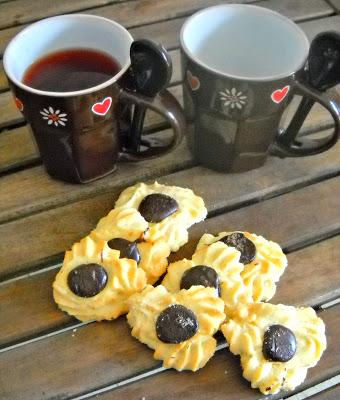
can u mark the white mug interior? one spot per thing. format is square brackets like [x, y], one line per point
[245, 42]
[66, 32]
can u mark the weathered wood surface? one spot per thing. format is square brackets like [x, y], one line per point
[336, 5]
[330, 394]
[18, 12]
[220, 191]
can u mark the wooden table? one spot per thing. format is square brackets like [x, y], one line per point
[44, 353]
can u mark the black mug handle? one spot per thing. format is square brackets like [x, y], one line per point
[286, 144]
[164, 104]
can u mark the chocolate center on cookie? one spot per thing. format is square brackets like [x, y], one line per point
[156, 207]
[279, 343]
[87, 280]
[126, 248]
[176, 324]
[241, 243]
[200, 275]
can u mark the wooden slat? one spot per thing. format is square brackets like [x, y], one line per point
[131, 14]
[18, 12]
[111, 361]
[330, 394]
[219, 191]
[17, 148]
[336, 5]
[222, 378]
[27, 308]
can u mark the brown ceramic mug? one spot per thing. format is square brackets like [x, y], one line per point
[82, 134]
[242, 64]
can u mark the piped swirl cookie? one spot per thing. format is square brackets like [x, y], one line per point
[215, 265]
[277, 344]
[94, 284]
[122, 230]
[168, 211]
[264, 261]
[178, 326]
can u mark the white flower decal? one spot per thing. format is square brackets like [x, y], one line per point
[53, 116]
[232, 98]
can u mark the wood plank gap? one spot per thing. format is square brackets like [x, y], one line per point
[29, 21]
[70, 326]
[270, 194]
[326, 384]
[30, 274]
[330, 304]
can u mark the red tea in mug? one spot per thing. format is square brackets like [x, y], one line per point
[71, 70]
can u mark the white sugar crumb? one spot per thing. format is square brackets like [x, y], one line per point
[182, 321]
[74, 330]
[225, 372]
[143, 398]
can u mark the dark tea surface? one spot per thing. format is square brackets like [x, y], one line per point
[71, 70]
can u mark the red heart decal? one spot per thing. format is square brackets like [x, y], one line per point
[101, 108]
[279, 94]
[19, 104]
[193, 81]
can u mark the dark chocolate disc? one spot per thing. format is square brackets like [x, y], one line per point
[241, 243]
[127, 249]
[279, 343]
[176, 324]
[156, 207]
[87, 280]
[200, 275]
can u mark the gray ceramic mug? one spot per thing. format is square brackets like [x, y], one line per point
[242, 65]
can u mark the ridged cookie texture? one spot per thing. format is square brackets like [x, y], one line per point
[191, 354]
[124, 278]
[245, 334]
[127, 223]
[261, 275]
[225, 261]
[174, 228]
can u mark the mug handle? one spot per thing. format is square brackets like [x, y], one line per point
[286, 144]
[164, 104]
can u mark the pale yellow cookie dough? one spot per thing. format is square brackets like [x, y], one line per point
[193, 353]
[245, 332]
[261, 275]
[225, 261]
[127, 223]
[124, 278]
[173, 230]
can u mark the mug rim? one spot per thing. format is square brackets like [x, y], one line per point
[196, 60]
[92, 89]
